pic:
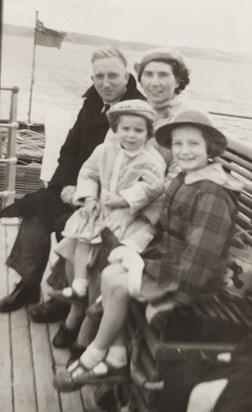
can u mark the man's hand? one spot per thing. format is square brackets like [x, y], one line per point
[67, 194]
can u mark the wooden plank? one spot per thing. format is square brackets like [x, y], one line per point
[5, 344]
[69, 401]
[23, 373]
[24, 394]
[28, 357]
[89, 398]
[246, 199]
[245, 210]
[234, 158]
[55, 358]
[238, 169]
[31, 356]
[47, 397]
[240, 148]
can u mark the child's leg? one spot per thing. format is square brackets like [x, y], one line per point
[76, 272]
[81, 255]
[111, 331]
[69, 268]
[114, 286]
[80, 282]
[75, 316]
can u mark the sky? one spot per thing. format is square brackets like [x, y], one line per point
[219, 24]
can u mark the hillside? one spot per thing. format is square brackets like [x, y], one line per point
[91, 40]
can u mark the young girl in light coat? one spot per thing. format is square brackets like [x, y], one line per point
[118, 181]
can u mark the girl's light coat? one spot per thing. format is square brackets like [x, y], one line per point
[137, 177]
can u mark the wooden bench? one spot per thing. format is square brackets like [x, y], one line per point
[198, 336]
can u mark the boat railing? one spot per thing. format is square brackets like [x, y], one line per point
[236, 116]
[10, 160]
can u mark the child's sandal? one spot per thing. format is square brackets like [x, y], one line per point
[68, 295]
[69, 380]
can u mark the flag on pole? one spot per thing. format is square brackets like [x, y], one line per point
[47, 37]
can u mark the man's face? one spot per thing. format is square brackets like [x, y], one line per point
[110, 78]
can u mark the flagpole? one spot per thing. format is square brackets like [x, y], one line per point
[33, 71]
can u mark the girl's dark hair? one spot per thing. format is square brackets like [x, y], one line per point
[212, 147]
[115, 118]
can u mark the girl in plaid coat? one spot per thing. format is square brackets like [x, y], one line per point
[187, 256]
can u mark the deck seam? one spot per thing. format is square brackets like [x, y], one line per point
[33, 364]
[53, 364]
[9, 325]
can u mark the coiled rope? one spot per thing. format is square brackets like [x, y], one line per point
[29, 145]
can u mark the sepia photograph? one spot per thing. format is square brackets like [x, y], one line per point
[126, 206]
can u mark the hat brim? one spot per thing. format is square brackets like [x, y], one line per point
[163, 135]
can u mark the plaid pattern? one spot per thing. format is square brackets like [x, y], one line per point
[197, 224]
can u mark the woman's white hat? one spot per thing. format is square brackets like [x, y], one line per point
[163, 54]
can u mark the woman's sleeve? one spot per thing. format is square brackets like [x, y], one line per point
[88, 182]
[144, 191]
[206, 243]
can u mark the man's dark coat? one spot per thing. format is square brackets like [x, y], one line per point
[88, 131]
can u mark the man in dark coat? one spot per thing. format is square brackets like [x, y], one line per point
[47, 210]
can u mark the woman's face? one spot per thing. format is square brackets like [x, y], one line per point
[158, 82]
[189, 148]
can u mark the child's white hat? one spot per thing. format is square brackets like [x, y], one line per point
[136, 107]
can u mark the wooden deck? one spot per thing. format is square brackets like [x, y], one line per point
[27, 358]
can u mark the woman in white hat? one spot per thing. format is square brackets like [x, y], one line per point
[163, 75]
[187, 256]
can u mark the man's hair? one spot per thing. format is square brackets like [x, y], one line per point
[107, 52]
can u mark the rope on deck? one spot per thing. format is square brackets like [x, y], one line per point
[29, 145]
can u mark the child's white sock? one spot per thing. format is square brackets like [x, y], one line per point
[80, 286]
[92, 356]
[117, 356]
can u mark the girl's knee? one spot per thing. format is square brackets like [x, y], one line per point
[110, 273]
[115, 281]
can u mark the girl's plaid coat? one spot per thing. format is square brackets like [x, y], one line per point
[189, 252]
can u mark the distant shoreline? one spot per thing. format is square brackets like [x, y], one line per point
[98, 41]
